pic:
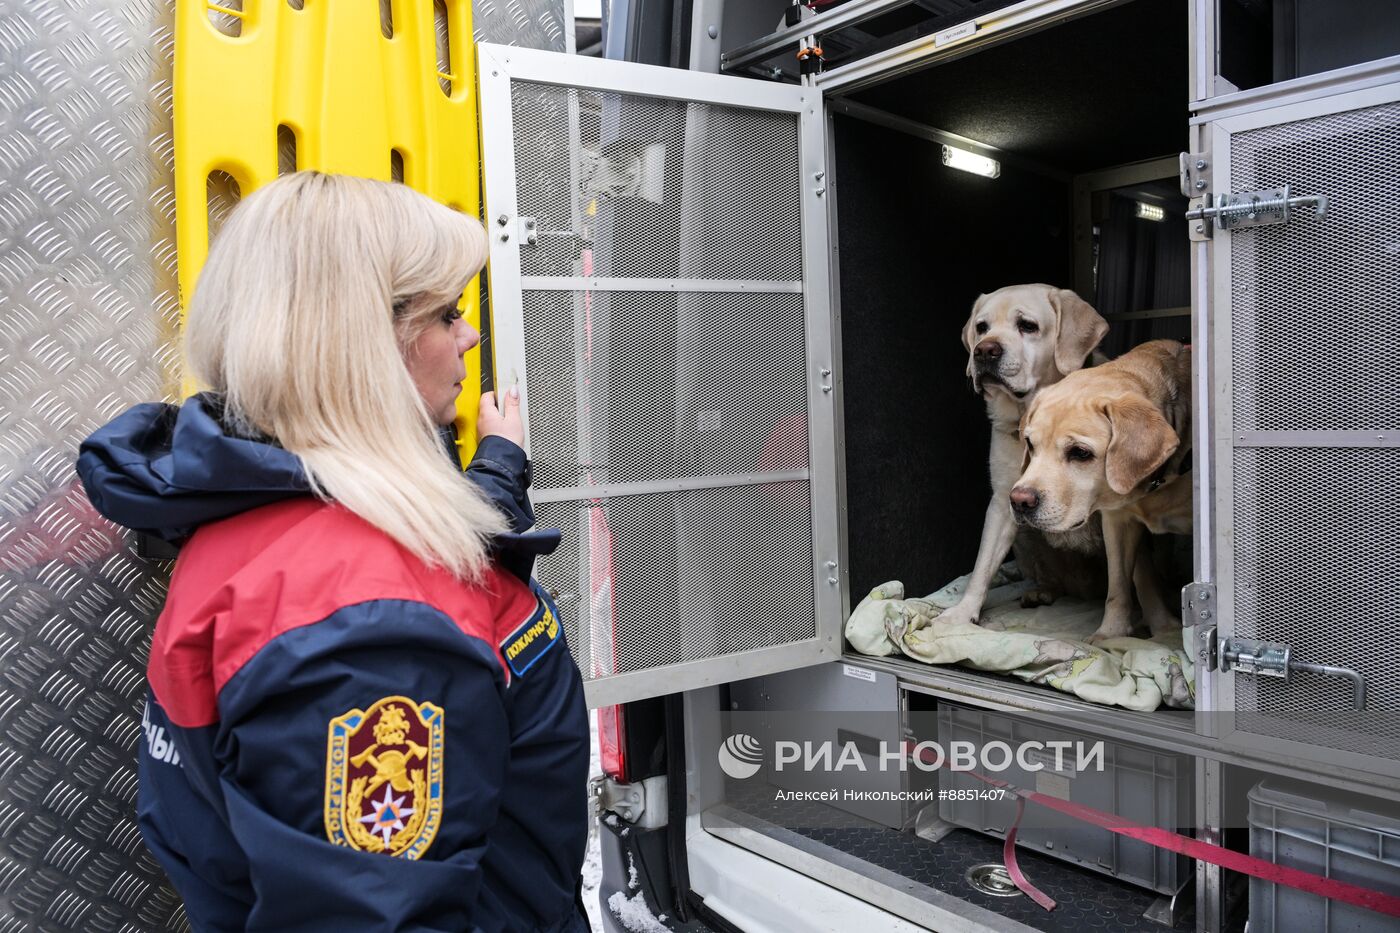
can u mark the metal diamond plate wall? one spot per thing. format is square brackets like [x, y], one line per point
[532, 24]
[87, 327]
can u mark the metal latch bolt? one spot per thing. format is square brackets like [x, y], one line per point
[1274, 659]
[1246, 655]
[1256, 208]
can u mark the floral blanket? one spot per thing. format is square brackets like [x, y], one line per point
[1044, 645]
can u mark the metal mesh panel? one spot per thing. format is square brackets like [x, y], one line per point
[89, 318]
[692, 574]
[1316, 563]
[1314, 301]
[630, 386]
[656, 188]
[1317, 566]
[669, 421]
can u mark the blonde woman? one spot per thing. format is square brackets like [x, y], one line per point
[362, 713]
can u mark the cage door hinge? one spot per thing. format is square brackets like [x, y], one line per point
[1244, 209]
[1195, 184]
[1198, 609]
[1195, 174]
[642, 804]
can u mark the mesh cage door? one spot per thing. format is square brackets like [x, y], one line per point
[1307, 431]
[659, 289]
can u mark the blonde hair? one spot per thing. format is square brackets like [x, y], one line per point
[311, 291]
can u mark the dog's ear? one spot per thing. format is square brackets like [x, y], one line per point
[969, 332]
[1081, 329]
[1141, 441]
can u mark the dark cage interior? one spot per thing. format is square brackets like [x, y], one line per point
[919, 241]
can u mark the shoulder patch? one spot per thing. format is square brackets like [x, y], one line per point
[531, 639]
[384, 777]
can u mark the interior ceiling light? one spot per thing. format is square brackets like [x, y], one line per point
[971, 162]
[1150, 212]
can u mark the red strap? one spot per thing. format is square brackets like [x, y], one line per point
[1382, 903]
[1387, 904]
[1013, 868]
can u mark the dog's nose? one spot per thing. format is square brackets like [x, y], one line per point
[1024, 500]
[987, 350]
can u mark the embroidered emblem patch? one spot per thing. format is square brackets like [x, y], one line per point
[528, 643]
[384, 777]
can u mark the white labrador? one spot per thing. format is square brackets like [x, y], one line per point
[1019, 340]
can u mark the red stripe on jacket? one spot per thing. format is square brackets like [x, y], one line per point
[241, 582]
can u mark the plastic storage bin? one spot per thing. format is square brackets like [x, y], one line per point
[1347, 837]
[1138, 784]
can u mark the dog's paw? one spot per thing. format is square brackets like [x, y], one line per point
[1038, 596]
[961, 614]
[1110, 629]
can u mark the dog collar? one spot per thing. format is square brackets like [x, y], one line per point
[1166, 473]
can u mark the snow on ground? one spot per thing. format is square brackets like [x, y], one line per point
[593, 861]
[634, 914]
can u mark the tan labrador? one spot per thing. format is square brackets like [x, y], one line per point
[1114, 440]
[1019, 340]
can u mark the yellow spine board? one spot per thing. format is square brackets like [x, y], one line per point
[351, 96]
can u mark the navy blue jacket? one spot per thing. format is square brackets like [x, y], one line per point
[337, 736]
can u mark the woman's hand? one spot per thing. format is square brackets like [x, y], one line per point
[490, 421]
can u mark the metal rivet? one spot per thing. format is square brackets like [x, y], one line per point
[831, 565]
[819, 176]
[713, 32]
[1203, 594]
[1200, 228]
[1201, 185]
[505, 237]
[831, 580]
[1205, 613]
[503, 220]
[1200, 163]
[529, 225]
